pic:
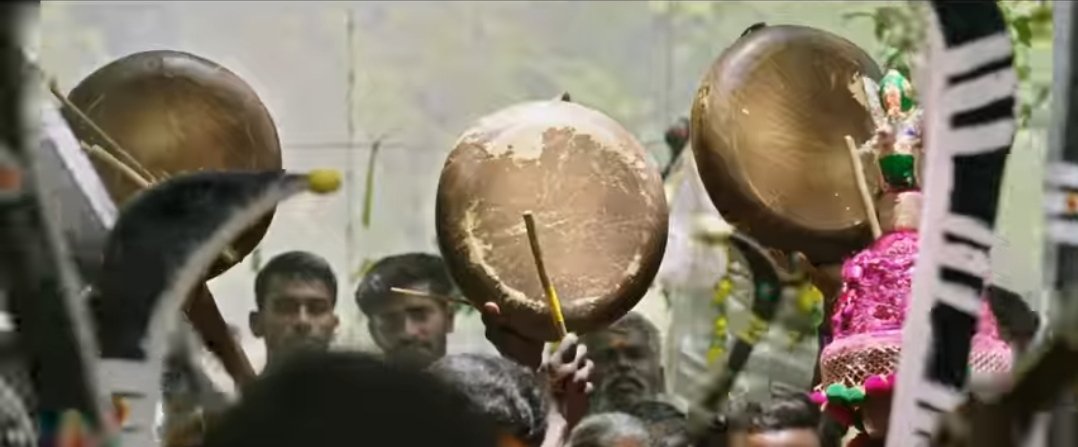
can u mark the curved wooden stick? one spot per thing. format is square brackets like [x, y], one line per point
[202, 310]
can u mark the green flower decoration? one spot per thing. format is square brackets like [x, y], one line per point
[840, 394]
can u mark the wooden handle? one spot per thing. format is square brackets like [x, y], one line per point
[201, 310]
[548, 287]
[862, 187]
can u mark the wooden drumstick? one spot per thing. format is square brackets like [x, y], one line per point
[201, 309]
[862, 187]
[548, 287]
[98, 153]
[130, 161]
[436, 296]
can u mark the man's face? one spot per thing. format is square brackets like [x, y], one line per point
[793, 437]
[411, 329]
[627, 368]
[296, 315]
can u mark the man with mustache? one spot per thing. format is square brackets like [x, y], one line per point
[627, 364]
[410, 329]
[295, 294]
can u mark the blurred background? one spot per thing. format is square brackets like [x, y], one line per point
[338, 77]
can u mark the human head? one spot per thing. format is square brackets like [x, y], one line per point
[332, 399]
[501, 389]
[628, 366]
[409, 329]
[790, 420]
[666, 424]
[610, 430]
[1018, 323]
[294, 295]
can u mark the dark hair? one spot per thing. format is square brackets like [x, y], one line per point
[295, 265]
[605, 429]
[503, 390]
[784, 412]
[330, 399]
[400, 271]
[654, 411]
[1018, 321]
[666, 424]
[789, 411]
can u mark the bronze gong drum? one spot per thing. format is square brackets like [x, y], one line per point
[768, 128]
[176, 112]
[598, 204]
[162, 113]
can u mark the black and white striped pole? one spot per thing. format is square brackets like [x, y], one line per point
[969, 88]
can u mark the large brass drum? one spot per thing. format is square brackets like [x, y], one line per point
[175, 112]
[768, 128]
[597, 200]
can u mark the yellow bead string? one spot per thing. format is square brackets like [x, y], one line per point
[721, 292]
[756, 330]
[810, 304]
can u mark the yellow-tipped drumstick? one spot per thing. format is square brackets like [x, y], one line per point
[548, 287]
[323, 181]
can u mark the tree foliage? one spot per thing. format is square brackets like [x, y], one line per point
[901, 31]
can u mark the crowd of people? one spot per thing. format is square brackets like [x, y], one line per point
[601, 389]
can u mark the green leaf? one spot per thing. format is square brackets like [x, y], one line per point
[1041, 95]
[890, 54]
[1041, 14]
[1022, 30]
[1041, 24]
[881, 28]
[1023, 71]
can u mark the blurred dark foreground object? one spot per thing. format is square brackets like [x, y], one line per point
[345, 399]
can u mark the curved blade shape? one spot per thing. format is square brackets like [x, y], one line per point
[769, 287]
[162, 246]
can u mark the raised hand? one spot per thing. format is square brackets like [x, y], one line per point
[568, 371]
[510, 344]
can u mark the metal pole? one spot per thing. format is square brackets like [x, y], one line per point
[1061, 266]
[350, 172]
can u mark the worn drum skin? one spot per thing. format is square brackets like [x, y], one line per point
[175, 112]
[598, 203]
[768, 129]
